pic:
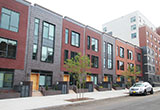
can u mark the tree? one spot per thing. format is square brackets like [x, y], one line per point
[131, 74]
[79, 65]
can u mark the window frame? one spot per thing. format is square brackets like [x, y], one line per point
[7, 48]
[9, 24]
[110, 56]
[96, 48]
[75, 40]
[122, 56]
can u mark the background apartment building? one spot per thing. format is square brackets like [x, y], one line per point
[127, 27]
[150, 43]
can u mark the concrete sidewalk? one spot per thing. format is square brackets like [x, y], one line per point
[58, 100]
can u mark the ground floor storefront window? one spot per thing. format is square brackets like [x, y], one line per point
[6, 78]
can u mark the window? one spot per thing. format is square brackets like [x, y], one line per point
[151, 36]
[35, 41]
[8, 48]
[110, 55]
[151, 44]
[104, 62]
[34, 54]
[65, 55]
[75, 39]
[120, 65]
[94, 61]
[6, 78]
[88, 42]
[94, 44]
[9, 20]
[138, 57]
[121, 52]
[104, 47]
[133, 27]
[45, 80]
[73, 54]
[48, 31]
[138, 68]
[147, 33]
[94, 78]
[47, 54]
[133, 19]
[117, 50]
[66, 36]
[105, 29]
[156, 47]
[133, 35]
[147, 41]
[129, 54]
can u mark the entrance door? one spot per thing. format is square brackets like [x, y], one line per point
[35, 79]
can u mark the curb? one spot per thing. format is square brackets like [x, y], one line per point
[88, 101]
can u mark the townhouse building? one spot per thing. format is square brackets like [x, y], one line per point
[14, 17]
[108, 58]
[44, 47]
[127, 55]
[78, 38]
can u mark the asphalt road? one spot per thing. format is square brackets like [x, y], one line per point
[149, 102]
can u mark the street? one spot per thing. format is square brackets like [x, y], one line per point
[149, 102]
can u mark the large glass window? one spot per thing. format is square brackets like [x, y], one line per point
[94, 44]
[121, 52]
[8, 48]
[6, 79]
[129, 54]
[88, 42]
[48, 31]
[66, 36]
[75, 39]
[110, 55]
[9, 20]
[47, 54]
[35, 41]
[48, 42]
[94, 61]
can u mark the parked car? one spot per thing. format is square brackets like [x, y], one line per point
[141, 88]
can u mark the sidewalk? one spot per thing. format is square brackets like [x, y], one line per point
[58, 100]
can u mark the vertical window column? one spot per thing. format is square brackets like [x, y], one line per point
[35, 41]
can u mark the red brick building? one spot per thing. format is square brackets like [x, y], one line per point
[150, 43]
[13, 36]
[127, 55]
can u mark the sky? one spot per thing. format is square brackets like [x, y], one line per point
[97, 12]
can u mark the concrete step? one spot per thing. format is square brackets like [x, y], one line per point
[95, 90]
[71, 92]
[36, 94]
